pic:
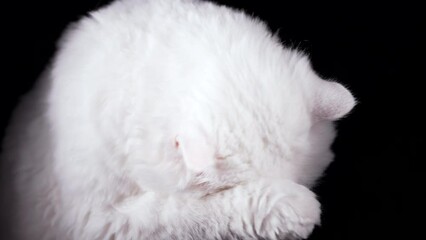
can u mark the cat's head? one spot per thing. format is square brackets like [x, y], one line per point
[288, 136]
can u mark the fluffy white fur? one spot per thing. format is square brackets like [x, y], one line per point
[170, 119]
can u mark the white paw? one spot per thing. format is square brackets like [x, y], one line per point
[287, 211]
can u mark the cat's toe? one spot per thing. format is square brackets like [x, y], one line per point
[292, 215]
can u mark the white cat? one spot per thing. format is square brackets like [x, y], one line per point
[170, 119]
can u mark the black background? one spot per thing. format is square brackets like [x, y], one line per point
[373, 189]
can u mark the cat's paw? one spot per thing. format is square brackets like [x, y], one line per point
[287, 211]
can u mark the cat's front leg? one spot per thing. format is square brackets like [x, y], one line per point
[269, 210]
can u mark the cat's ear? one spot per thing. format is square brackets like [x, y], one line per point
[332, 100]
[197, 153]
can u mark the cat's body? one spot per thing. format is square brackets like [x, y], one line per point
[170, 119]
